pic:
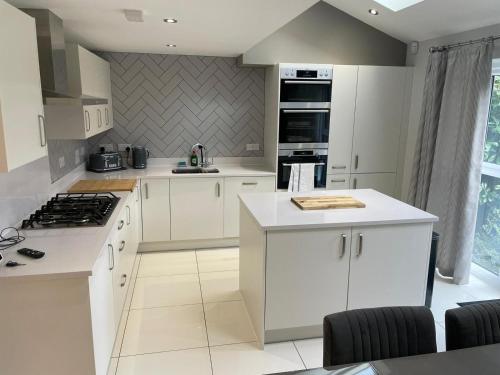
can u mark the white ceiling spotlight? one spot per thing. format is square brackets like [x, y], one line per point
[134, 15]
[170, 20]
[171, 45]
[397, 5]
[373, 12]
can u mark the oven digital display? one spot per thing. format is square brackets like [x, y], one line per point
[307, 74]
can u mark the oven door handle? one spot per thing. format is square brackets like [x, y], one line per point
[306, 111]
[289, 165]
[308, 82]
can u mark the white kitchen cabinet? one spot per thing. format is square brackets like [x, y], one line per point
[22, 135]
[156, 209]
[381, 98]
[196, 208]
[306, 277]
[345, 79]
[102, 308]
[381, 260]
[382, 182]
[72, 119]
[234, 186]
[337, 182]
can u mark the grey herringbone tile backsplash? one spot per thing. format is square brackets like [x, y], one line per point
[170, 102]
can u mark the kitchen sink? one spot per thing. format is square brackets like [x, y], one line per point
[185, 170]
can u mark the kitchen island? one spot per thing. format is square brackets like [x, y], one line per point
[297, 266]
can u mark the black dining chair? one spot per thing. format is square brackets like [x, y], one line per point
[379, 333]
[473, 325]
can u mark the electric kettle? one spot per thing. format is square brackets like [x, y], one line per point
[140, 155]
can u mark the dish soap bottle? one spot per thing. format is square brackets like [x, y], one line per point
[194, 159]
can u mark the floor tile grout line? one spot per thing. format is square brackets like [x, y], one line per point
[204, 315]
[165, 351]
[300, 356]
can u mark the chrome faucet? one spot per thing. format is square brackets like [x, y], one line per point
[204, 163]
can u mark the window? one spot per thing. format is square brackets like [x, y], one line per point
[486, 251]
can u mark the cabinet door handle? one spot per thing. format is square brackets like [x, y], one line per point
[146, 190]
[99, 118]
[337, 180]
[41, 129]
[121, 224]
[355, 183]
[128, 214]
[249, 183]
[107, 115]
[87, 120]
[356, 161]
[124, 280]
[122, 246]
[339, 166]
[137, 193]
[111, 257]
[360, 245]
[217, 189]
[343, 240]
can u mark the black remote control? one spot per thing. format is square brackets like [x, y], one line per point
[31, 253]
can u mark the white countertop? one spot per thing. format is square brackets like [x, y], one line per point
[275, 211]
[69, 252]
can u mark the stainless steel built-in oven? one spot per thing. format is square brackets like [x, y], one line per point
[304, 128]
[288, 157]
[303, 87]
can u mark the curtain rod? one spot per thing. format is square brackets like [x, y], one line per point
[448, 46]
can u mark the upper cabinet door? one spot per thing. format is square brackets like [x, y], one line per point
[197, 206]
[380, 110]
[345, 78]
[22, 134]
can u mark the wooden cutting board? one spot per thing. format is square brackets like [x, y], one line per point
[327, 202]
[102, 186]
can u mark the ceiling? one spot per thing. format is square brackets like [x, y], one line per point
[205, 27]
[428, 19]
[231, 27]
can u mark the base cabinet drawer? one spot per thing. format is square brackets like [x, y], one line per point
[234, 186]
[337, 182]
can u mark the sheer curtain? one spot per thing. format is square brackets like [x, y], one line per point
[447, 165]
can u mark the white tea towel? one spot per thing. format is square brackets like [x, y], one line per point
[301, 177]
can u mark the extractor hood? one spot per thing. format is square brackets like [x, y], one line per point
[51, 52]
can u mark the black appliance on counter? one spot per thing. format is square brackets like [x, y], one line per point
[140, 156]
[105, 162]
[288, 157]
[73, 210]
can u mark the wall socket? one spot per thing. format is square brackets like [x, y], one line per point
[253, 147]
[122, 147]
[62, 162]
[108, 147]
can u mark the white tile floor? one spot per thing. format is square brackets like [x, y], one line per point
[185, 315]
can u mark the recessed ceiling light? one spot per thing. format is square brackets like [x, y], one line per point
[170, 20]
[397, 5]
[171, 45]
[373, 12]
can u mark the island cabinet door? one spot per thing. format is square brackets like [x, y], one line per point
[306, 277]
[389, 265]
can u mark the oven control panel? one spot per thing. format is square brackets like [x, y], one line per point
[304, 73]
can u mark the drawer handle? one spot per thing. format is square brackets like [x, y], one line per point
[343, 240]
[249, 183]
[360, 245]
[124, 280]
[122, 246]
[337, 180]
[339, 166]
[111, 257]
[41, 129]
[121, 224]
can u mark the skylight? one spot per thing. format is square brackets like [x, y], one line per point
[397, 5]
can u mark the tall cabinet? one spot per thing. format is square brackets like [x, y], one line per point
[369, 108]
[22, 133]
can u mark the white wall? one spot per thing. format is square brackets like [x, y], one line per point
[419, 61]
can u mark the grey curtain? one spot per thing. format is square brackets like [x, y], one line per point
[447, 165]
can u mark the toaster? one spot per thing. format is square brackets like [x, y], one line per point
[105, 161]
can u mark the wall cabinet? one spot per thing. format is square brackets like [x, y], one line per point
[234, 186]
[155, 209]
[380, 260]
[22, 134]
[197, 208]
[303, 282]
